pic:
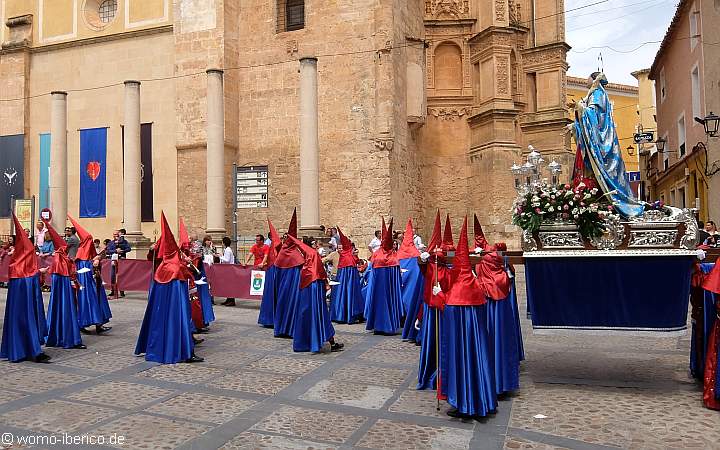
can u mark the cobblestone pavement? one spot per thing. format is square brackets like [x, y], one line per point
[253, 392]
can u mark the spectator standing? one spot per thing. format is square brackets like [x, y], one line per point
[209, 251]
[259, 252]
[116, 249]
[375, 243]
[73, 242]
[228, 257]
[417, 240]
[40, 234]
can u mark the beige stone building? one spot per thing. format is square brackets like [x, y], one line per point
[421, 104]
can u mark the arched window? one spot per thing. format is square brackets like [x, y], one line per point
[448, 67]
[290, 15]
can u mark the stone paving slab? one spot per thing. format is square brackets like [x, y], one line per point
[342, 393]
[56, 416]
[396, 435]
[144, 431]
[311, 424]
[254, 382]
[121, 394]
[256, 441]
[32, 378]
[202, 407]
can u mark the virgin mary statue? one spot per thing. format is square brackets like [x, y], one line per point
[598, 158]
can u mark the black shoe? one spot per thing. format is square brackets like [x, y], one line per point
[336, 347]
[122, 293]
[229, 303]
[111, 294]
[81, 346]
[194, 359]
[202, 330]
[455, 413]
[198, 341]
[42, 358]
[100, 329]
[84, 331]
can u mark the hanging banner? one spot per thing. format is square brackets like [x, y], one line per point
[146, 180]
[12, 171]
[93, 169]
[44, 171]
[24, 209]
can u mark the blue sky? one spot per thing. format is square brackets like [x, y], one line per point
[621, 24]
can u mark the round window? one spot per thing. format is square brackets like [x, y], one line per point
[99, 13]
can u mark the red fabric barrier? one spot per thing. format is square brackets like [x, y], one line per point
[43, 261]
[230, 280]
[133, 274]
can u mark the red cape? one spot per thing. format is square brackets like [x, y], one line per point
[23, 261]
[385, 256]
[275, 245]
[465, 290]
[313, 268]
[61, 265]
[407, 248]
[172, 267]
[289, 254]
[347, 259]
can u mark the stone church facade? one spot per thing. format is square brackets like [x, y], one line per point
[422, 104]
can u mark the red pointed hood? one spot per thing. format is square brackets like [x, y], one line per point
[313, 268]
[86, 250]
[289, 254]
[491, 273]
[172, 267]
[447, 242]
[480, 240]
[435, 240]
[23, 261]
[183, 235]
[347, 259]
[383, 229]
[385, 256]
[292, 228]
[275, 245]
[61, 265]
[465, 290]
[407, 248]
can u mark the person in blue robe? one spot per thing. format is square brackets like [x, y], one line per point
[312, 326]
[346, 300]
[468, 381]
[24, 326]
[383, 308]
[63, 328]
[92, 302]
[411, 283]
[266, 316]
[166, 331]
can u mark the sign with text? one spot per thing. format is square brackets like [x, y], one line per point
[251, 187]
[633, 176]
[643, 138]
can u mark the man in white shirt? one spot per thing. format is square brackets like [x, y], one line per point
[375, 243]
[227, 257]
[417, 240]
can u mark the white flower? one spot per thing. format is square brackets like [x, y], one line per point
[586, 196]
[551, 209]
[570, 203]
[569, 194]
[594, 191]
[575, 212]
[535, 198]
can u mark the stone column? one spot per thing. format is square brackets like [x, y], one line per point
[215, 154]
[131, 167]
[58, 159]
[309, 148]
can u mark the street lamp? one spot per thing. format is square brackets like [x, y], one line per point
[710, 123]
[630, 150]
[660, 144]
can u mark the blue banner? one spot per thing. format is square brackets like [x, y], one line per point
[93, 152]
[44, 171]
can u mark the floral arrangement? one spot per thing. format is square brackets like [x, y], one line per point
[657, 205]
[584, 205]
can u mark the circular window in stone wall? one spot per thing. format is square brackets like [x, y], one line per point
[99, 13]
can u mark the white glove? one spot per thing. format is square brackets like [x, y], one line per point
[436, 289]
[417, 324]
[424, 256]
[478, 250]
[700, 254]
[509, 272]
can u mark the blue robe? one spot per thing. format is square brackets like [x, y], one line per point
[598, 141]
[203, 292]
[427, 367]
[383, 309]
[503, 334]
[63, 328]
[24, 325]
[92, 303]
[266, 317]
[346, 300]
[312, 327]
[412, 288]
[288, 291]
[165, 335]
[468, 380]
